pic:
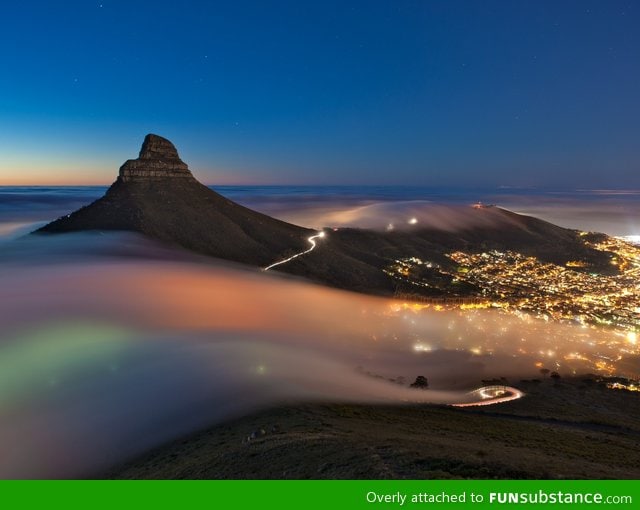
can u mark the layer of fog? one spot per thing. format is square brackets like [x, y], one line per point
[612, 212]
[609, 211]
[105, 352]
[610, 217]
[400, 215]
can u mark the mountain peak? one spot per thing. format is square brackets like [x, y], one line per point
[157, 147]
[158, 159]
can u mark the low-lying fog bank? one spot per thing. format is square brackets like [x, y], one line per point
[108, 347]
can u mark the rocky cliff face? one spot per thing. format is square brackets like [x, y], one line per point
[158, 159]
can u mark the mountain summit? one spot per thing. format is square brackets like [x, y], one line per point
[158, 158]
[158, 196]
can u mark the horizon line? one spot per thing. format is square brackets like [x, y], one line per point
[496, 187]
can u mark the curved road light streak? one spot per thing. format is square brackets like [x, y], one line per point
[511, 394]
[313, 245]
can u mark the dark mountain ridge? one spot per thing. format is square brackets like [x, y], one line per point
[158, 196]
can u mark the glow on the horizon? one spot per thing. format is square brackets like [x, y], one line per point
[633, 239]
[44, 170]
[53, 181]
[79, 174]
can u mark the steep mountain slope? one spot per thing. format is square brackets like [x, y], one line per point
[157, 195]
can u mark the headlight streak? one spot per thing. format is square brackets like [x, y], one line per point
[312, 241]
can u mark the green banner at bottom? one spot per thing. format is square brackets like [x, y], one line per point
[356, 494]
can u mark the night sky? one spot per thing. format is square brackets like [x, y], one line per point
[460, 93]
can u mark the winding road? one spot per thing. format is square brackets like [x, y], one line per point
[312, 241]
[490, 395]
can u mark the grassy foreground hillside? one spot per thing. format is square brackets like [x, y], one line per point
[569, 429]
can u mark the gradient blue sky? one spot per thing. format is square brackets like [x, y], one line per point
[465, 93]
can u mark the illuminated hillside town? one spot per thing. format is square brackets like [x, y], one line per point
[548, 291]
[538, 292]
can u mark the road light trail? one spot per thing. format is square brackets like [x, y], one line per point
[487, 400]
[312, 241]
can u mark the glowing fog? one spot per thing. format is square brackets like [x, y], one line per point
[105, 352]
